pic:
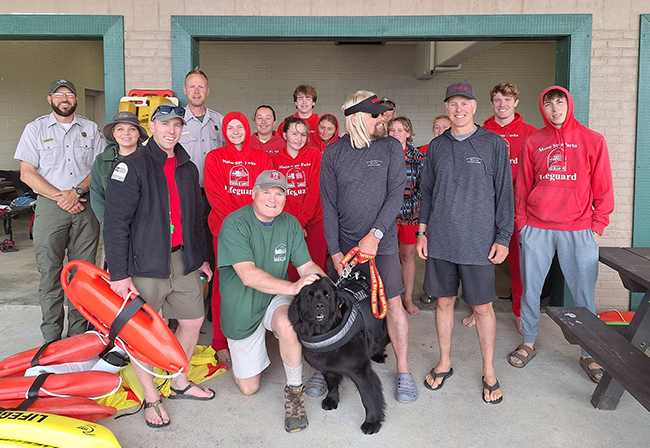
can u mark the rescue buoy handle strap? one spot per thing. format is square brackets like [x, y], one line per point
[32, 392]
[124, 316]
[37, 356]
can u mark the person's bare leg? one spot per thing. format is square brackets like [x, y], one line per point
[290, 347]
[520, 328]
[187, 334]
[407, 257]
[444, 330]
[398, 330]
[248, 386]
[151, 395]
[486, 328]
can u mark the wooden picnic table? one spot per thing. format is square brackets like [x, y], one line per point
[627, 367]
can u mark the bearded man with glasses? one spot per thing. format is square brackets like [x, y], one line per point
[56, 154]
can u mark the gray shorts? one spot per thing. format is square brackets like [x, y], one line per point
[442, 279]
[249, 355]
[179, 297]
[389, 267]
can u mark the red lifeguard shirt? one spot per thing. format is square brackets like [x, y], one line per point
[312, 121]
[272, 146]
[514, 134]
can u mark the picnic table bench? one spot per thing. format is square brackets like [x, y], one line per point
[627, 367]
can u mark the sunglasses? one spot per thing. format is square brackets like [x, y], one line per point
[166, 109]
[375, 115]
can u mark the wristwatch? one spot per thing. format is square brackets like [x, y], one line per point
[79, 191]
[378, 234]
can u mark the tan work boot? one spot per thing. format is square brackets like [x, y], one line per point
[295, 416]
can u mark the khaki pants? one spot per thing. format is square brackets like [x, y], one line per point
[56, 230]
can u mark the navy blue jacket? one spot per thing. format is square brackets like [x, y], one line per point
[137, 235]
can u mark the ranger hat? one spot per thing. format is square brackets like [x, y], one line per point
[124, 117]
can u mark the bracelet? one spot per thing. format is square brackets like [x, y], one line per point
[420, 233]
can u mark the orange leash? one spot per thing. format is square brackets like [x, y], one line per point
[378, 295]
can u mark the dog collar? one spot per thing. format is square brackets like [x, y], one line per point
[339, 336]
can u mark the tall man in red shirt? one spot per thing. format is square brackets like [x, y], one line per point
[504, 98]
[563, 200]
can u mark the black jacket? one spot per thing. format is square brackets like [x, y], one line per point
[137, 235]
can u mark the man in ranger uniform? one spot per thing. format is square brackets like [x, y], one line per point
[564, 197]
[56, 153]
[504, 98]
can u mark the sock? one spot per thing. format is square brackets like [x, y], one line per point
[294, 375]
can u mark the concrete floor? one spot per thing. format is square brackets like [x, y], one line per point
[545, 404]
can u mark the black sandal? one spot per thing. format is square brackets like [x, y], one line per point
[156, 406]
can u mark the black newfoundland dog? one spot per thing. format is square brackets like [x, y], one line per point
[340, 336]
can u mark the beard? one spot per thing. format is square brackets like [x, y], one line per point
[67, 113]
[379, 131]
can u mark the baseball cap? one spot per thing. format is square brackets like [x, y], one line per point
[62, 83]
[124, 117]
[460, 88]
[271, 178]
[168, 111]
[371, 105]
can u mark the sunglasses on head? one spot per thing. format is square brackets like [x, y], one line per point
[166, 109]
[387, 102]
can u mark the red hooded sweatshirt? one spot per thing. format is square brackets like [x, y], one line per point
[303, 178]
[272, 146]
[230, 174]
[565, 177]
[514, 134]
[318, 142]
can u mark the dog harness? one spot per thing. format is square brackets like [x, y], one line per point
[359, 316]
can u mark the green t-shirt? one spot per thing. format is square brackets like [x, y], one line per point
[244, 238]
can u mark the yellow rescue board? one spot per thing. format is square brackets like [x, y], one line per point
[35, 429]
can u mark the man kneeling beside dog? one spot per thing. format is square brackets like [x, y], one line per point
[255, 246]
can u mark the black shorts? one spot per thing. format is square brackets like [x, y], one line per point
[442, 279]
[389, 267]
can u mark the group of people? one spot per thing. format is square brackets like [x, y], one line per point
[205, 194]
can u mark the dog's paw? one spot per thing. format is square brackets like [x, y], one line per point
[380, 358]
[329, 404]
[371, 427]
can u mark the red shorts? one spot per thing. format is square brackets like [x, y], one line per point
[406, 233]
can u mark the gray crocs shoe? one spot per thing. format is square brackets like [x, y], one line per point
[316, 386]
[407, 391]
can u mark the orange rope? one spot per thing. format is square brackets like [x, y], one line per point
[378, 295]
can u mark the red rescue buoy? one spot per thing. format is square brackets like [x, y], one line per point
[81, 347]
[89, 384]
[145, 336]
[73, 407]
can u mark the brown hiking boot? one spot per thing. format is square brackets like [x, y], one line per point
[295, 416]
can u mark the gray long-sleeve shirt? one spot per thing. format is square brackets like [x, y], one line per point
[362, 189]
[467, 197]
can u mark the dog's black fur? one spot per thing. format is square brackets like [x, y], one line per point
[319, 308]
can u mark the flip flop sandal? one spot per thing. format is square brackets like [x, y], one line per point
[316, 386]
[491, 389]
[181, 395]
[426, 299]
[9, 246]
[591, 373]
[406, 391]
[530, 354]
[156, 406]
[434, 375]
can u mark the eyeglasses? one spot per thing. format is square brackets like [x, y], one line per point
[59, 95]
[166, 109]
